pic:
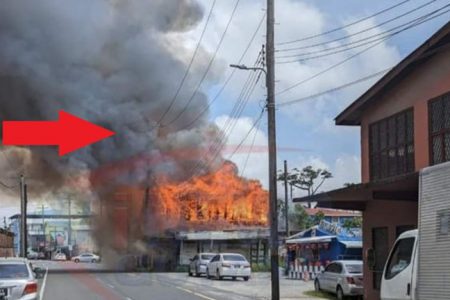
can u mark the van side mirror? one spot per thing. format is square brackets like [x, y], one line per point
[370, 258]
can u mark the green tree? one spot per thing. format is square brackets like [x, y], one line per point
[355, 222]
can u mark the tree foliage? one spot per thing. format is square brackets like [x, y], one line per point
[355, 222]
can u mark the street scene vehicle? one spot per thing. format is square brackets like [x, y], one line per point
[17, 279]
[86, 257]
[199, 263]
[228, 265]
[342, 277]
[32, 254]
[60, 257]
[418, 264]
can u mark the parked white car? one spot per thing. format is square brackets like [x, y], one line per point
[199, 263]
[86, 257]
[60, 257]
[17, 279]
[228, 265]
[342, 277]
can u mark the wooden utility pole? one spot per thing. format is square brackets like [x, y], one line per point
[273, 207]
[23, 217]
[286, 197]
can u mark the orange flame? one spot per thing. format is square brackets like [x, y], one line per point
[221, 197]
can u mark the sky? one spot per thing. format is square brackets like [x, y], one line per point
[306, 133]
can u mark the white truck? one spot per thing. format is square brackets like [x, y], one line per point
[418, 267]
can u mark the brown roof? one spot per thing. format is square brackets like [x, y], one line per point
[328, 212]
[438, 42]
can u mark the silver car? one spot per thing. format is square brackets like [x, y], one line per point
[342, 277]
[17, 279]
[198, 263]
[86, 257]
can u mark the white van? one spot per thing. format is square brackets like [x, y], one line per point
[400, 276]
[418, 267]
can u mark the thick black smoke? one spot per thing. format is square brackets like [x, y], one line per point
[115, 63]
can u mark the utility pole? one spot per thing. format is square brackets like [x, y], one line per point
[23, 217]
[43, 229]
[270, 40]
[273, 205]
[286, 201]
[69, 233]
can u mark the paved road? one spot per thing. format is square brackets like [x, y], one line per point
[71, 281]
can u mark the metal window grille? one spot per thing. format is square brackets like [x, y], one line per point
[439, 124]
[391, 145]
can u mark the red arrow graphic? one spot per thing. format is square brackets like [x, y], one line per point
[69, 133]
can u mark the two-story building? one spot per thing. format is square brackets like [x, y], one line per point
[405, 126]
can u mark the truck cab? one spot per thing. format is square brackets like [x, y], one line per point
[400, 272]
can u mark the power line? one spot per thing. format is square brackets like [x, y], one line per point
[207, 68]
[286, 103]
[229, 77]
[416, 22]
[361, 31]
[328, 69]
[251, 148]
[346, 25]
[190, 63]
[335, 89]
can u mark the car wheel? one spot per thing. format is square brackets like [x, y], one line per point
[234, 277]
[77, 260]
[317, 285]
[340, 293]
[197, 274]
[94, 261]
[218, 276]
[246, 278]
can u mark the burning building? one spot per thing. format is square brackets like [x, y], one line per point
[125, 65]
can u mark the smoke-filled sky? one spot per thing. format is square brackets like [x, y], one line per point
[120, 63]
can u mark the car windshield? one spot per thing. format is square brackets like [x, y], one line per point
[354, 268]
[234, 258]
[9, 271]
[207, 256]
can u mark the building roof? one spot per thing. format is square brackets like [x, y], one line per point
[6, 232]
[397, 188]
[438, 42]
[329, 212]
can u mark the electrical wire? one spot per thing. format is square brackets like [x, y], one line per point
[251, 149]
[197, 47]
[207, 68]
[335, 89]
[361, 31]
[415, 22]
[346, 25]
[206, 108]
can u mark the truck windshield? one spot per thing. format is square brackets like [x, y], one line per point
[400, 258]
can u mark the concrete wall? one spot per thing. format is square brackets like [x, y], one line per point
[430, 80]
[388, 214]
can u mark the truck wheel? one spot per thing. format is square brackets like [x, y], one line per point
[246, 278]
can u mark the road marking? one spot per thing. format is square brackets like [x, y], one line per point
[186, 290]
[41, 294]
[203, 296]
[128, 298]
[196, 294]
[110, 285]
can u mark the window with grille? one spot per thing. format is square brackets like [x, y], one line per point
[439, 123]
[391, 145]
